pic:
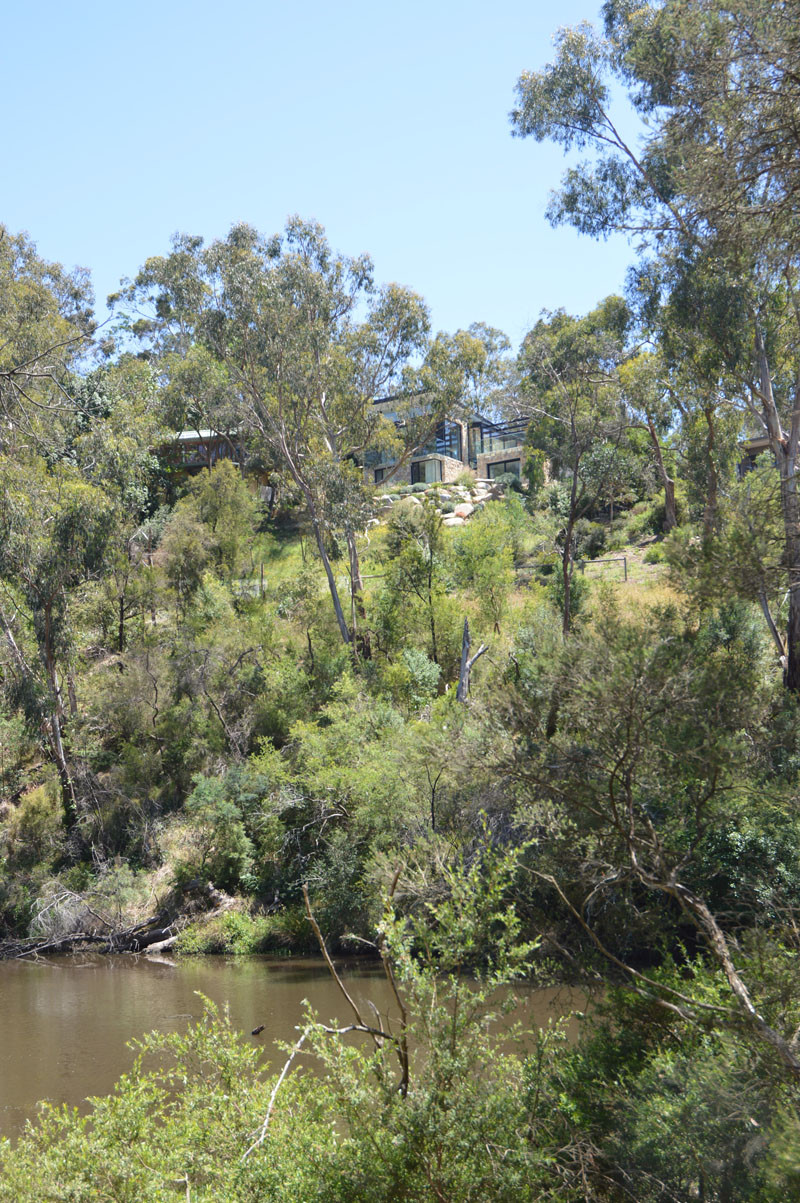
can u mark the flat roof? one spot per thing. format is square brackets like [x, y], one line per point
[188, 436]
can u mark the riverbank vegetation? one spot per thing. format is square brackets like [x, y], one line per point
[558, 738]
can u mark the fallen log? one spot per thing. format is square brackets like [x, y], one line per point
[157, 932]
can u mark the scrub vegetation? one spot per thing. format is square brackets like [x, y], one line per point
[265, 706]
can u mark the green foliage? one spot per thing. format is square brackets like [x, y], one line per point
[630, 791]
[533, 469]
[415, 679]
[220, 849]
[579, 591]
[34, 833]
[234, 933]
[483, 557]
[192, 1104]
[224, 503]
[590, 539]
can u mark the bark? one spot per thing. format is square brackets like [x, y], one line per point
[566, 573]
[50, 724]
[695, 907]
[566, 558]
[712, 496]
[316, 526]
[55, 724]
[467, 662]
[360, 633]
[670, 510]
[773, 630]
[784, 447]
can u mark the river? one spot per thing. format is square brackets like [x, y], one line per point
[67, 1021]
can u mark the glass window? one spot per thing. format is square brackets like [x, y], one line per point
[379, 475]
[426, 471]
[489, 437]
[504, 466]
[448, 439]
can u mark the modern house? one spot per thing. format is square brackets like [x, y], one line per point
[192, 450]
[490, 449]
[750, 449]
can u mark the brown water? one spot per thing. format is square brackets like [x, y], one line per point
[66, 1022]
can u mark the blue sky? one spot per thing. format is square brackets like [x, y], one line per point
[387, 123]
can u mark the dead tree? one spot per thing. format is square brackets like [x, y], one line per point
[467, 661]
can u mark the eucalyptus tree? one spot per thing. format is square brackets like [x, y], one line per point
[53, 522]
[650, 405]
[296, 342]
[54, 530]
[571, 392]
[45, 325]
[709, 186]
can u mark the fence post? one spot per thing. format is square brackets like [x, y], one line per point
[625, 566]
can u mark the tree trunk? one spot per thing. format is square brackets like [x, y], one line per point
[55, 722]
[670, 510]
[712, 497]
[50, 727]
[773, 630]
[68, 799]
[326, 563]
[467, 661]
[566, 573]
[566, 559]
[784, 448]
[359, 613]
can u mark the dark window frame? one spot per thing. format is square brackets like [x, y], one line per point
[422, 463]
[504, 466]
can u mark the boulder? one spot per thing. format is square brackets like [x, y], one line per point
[452, 520]
[464, 509]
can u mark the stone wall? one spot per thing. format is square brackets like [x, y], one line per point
[451, 468]
[497, 457]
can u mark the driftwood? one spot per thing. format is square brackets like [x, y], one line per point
[156, 933]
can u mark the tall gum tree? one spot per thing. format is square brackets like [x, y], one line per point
[570, 391]
[307, 342]
[52, 521]
[709, 188]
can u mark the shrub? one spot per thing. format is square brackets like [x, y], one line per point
[556, 497]
[233, 933]
[221, 850]
[510, 481]
[423, 675]
[34, 832]
[590, 538]
[578, 594]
